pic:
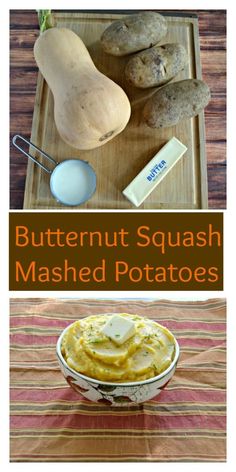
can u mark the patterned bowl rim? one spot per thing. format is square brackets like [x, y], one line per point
[117, 384]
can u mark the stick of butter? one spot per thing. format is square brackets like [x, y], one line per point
[154, 172]
[119, 329]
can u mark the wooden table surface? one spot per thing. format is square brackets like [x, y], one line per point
[23, 78]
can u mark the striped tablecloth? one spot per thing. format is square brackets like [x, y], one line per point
[50, 422]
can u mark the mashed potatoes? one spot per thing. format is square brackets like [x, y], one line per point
[146, 354]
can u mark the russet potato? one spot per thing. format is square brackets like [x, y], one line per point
[156, 66]
[133, 33]
[175, 102]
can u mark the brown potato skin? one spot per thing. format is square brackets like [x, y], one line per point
[175, 102]
[156, 66]
[133, 33]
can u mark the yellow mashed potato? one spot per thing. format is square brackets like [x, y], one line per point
[146, 354]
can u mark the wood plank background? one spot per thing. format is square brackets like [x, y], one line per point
[23, 77]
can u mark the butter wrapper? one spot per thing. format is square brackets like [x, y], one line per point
[154, 172]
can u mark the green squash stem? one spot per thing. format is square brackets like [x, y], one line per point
[45, 20]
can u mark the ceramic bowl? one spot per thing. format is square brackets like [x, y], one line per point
[113, 393]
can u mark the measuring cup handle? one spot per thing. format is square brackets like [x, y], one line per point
[49, 158]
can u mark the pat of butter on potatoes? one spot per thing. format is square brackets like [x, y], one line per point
[119, 329]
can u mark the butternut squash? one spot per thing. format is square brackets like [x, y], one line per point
[89, 108]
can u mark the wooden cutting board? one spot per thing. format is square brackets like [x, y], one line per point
[118, 162]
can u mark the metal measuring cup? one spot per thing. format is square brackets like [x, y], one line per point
[72, 181]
